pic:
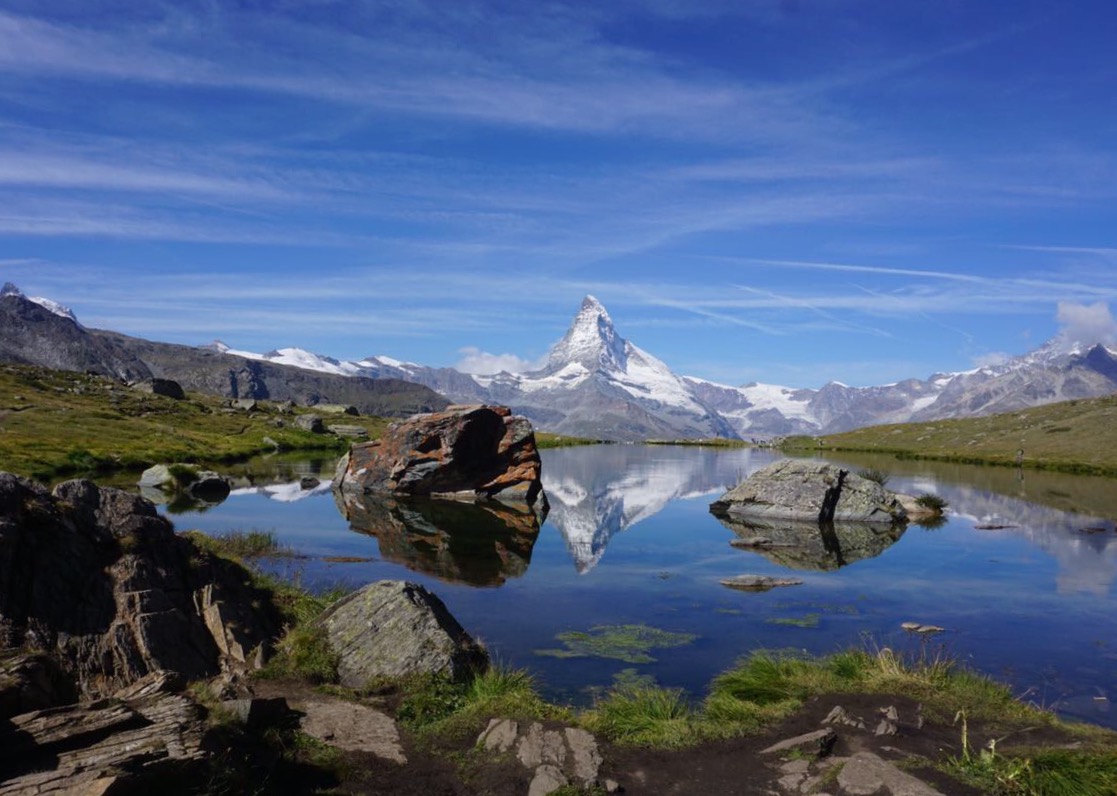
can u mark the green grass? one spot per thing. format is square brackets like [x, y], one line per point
[243, 545]
[58, 423]
[435, 706]
[545, 439]
[645, 716]
[707, 442]
[1071, 436]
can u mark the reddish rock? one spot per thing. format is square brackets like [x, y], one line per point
[465, 452]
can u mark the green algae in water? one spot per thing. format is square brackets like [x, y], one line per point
[809, 620]
[628, 643]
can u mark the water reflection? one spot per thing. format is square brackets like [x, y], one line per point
[597, 493]
[819, 546]
[479, 544]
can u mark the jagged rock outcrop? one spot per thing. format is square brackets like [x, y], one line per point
[466, 452]
[98, 581]
[482, 544]
[811, 491]
[393, 629]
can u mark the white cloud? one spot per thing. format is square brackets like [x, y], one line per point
[1086, 324]
[991, 359]
[474, 360]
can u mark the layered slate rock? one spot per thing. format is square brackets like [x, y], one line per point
[810, 491]
[393, 629]
[466, 452]
[95, 579]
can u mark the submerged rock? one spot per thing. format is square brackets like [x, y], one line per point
[793, 489]
[393, 629]
[465, 452]
[758, 582]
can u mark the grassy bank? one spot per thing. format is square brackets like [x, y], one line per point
[58, 423]
[707, 442]
[545, 439]
[1072, 436]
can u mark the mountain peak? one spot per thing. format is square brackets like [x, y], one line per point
[54, 307]
[591, 341]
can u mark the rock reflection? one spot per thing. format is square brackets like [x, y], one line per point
[479, 544]
[818, 546]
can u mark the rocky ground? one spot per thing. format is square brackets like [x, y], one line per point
[838, 744]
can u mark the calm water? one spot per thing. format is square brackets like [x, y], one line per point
[630, 540]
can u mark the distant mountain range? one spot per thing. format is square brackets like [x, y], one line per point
[37, 331]
[595, 383]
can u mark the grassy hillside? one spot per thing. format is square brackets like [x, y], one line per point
[56, 423]
[1073, 436]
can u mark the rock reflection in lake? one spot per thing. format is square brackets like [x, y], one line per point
[819, 546]
[479, 544]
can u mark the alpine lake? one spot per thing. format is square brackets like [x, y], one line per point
[622, 581]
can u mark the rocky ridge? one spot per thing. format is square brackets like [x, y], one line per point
[35, 332]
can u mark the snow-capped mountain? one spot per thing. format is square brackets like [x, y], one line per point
[598, 384]
[50, 306]
[595, 383]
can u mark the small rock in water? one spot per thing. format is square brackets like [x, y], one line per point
[917, 627]
[758, 582]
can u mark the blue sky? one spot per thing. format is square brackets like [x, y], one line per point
[789, 192]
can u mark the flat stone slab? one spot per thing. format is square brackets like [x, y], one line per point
[865, 774]
[814, 741]
[352, 727]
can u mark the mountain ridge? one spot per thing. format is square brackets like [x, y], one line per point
[595, 383]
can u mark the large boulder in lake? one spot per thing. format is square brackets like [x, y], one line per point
[811, 491]
[95, 579]
[465, 452]
[393, 629]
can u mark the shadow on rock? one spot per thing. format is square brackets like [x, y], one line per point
[479, 544]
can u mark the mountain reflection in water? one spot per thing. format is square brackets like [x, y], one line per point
[594, 497]
[479, 544]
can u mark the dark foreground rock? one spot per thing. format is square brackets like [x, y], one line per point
[797, 490]
[103, 747]
[466, 452]
[99, 582]
[392, 629]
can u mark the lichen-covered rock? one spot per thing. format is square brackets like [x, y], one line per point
[98, 581]
[464, 452]
[794, 489]
[393, 629]
[190, 480]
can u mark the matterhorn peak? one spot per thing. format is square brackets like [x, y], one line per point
[591, 341]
